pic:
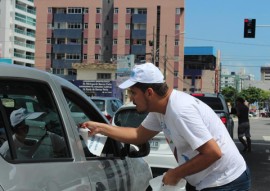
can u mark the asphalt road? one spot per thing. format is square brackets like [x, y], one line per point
[258, 159]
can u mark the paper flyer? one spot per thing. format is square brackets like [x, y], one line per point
[96, 144]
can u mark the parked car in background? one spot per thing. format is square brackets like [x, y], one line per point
[217, 102]
[39, 162]
[252, 114]
[161, 157]
[107, 105]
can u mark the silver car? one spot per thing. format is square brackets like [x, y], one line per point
[52, 156]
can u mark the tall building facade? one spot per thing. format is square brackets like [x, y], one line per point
[201, 70]
[18, 29]
[265, 73]
[91, 32]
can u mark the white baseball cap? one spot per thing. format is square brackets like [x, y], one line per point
[146, 73]
[17, 116]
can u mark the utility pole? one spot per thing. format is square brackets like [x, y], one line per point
[153, 46]
[165, 57]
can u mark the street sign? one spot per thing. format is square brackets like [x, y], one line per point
[124, 66]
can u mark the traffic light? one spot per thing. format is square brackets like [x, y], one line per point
[249, 28]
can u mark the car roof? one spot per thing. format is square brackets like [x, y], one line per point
[17, 71]
[13, 70]
[128, 105]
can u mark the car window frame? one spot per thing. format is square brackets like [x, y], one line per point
[98, 117]
[9, 132]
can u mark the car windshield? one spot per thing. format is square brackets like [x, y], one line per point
[129, 118]
[100, 104]
[214, 102]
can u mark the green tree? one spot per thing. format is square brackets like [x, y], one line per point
[265, 97]
[229, 94]
[251, 94]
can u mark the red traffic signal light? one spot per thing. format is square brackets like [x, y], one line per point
[249, 28]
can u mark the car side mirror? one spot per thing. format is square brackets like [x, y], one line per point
[233, 111]
[138, 150]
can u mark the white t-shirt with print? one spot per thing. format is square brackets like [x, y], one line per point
[187, 125]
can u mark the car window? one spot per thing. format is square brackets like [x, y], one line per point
[129, 118]
[85, 112]
[214, 102]
[35, 138]
[100, 104]
[119, 103]
[114, 105]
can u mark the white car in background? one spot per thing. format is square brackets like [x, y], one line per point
[161, 157]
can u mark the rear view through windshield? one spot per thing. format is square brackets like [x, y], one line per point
[214, 102]
[129, 118]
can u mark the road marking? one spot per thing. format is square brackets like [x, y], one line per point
[266, 138]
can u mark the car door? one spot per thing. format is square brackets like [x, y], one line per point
[110, 170]
[48, 157]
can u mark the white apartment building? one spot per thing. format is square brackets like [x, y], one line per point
[17, 29]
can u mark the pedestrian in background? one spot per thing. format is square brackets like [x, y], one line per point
[207, 156]
[243, 124]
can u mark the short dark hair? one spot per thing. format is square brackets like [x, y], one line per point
[240, 99]
[160, 89]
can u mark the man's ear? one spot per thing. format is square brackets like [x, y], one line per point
[149, 92]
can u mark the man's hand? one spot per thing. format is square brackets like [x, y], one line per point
[94, 127]
[171, 177]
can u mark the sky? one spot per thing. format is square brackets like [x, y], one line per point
[220, 23]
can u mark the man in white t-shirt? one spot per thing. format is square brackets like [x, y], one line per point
[207, 156]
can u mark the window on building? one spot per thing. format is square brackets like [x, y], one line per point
[97, 56]
[74, 25]
[73, 56]
[49, 10]
[60, 56]
[98, 26]
[176, 42]
[86, 25]
[139, 26]
[72, 72]
[49, 26]
[74, 10]
[85, 10]
[115, 11]
[85, 56]
[48, 40]
[85, 41]
[178, 11]
[60, 41]
[104, 76]
[177, 27]
[128, 11]
[127, 41]
[48, 55]
[115, 26]
[98, 10]
[128, 26]
[142, 11]
[73, 41]
[97, 41]
[175, 73]
[58, 71]
[114, 41]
